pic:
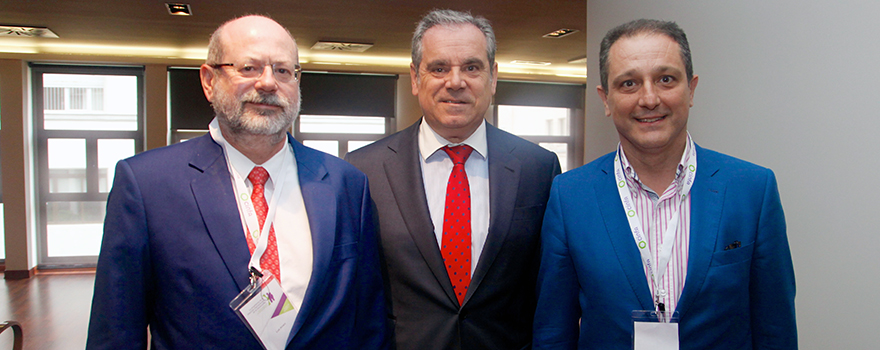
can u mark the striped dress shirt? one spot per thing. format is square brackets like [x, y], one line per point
[655, 212]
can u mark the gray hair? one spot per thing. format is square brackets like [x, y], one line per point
[644, 26]
[451, 18]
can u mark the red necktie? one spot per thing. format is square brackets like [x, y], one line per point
[456, 240]
[269, 260]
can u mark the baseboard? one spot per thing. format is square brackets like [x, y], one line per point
[19, 274]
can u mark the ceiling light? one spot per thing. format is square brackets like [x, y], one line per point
[27, 32]
[531, 63]
[556, 34]
[178, 9]
[341, 46]
[578, 60]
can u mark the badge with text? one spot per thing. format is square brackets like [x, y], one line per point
[265, 309]
[655, 330]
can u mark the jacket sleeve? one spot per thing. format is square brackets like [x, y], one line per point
[372, 324]
[120, 302]
[772, 282]
[558, 311]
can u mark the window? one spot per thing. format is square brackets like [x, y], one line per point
[86, 119]
[550, 115]
[337, 135]
[343, 112]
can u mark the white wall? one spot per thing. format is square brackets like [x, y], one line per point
[793, 86]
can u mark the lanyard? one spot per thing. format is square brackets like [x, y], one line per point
[657, 272]
[246, 206]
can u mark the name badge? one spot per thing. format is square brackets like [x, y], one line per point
[655, 330]
[266, 311]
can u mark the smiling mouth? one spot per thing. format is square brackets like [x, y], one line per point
[454, 102]
[651, 120]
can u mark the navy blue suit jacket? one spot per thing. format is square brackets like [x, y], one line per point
[741, 298]
[174, 255]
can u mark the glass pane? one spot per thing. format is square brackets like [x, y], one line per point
[67, 165]
[337, 124]
[353, 145]
[89, 102]
[331, 147]
[561, 150]
[111, 151]
[74, 228]
[534, 121]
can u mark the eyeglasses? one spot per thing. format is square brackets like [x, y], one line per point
[283, 72]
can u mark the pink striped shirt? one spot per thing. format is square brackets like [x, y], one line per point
[655, 212]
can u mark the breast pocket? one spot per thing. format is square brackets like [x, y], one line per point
[733, 256]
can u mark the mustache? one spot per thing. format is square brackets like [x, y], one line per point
[266, 99]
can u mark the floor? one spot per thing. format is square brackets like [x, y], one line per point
[52, 307]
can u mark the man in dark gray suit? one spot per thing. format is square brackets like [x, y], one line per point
[469, 285]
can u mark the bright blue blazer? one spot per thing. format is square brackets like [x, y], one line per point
[741, 298]
[174, 255]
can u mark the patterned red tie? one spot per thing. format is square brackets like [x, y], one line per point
[456, 240]
[269, 260]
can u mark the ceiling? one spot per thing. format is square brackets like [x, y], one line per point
[143, 31]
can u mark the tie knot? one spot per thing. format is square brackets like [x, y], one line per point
[258, 176]
[459, 154]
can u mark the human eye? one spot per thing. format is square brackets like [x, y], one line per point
[667, 79]
[438, 70]
[283, 72]
[249, 70]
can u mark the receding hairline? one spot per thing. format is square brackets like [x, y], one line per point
[216, 49]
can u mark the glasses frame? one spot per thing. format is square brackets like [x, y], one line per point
[297, 70]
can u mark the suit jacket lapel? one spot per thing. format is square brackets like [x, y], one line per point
[320, 202]
[620, 235]
[707, 198]
[504, 171]
[405, 178]
[216, 202]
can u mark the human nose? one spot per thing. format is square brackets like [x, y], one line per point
[454, 80]
[267, 81]
[649, 98]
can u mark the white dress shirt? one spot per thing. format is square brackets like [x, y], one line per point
[436, 167]
[291, 222]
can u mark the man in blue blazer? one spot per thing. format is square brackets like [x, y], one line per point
[175, 252]
[731, 253]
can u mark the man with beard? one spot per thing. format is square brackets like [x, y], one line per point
[186, 223]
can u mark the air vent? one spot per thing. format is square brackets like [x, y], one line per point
[27, 32]
[341, 46]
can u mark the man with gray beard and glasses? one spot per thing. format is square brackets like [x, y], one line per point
[242, 238]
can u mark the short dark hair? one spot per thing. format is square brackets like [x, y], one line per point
[451, 18]
[644, 26]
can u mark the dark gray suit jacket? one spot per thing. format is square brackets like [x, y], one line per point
[500, 303]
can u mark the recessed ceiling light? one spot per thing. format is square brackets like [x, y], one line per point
[531, 63]
[556, 34]
[578, 60]
[27, 32]
[178, 9]
[341, 46]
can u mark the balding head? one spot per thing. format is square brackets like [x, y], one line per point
[240, 28]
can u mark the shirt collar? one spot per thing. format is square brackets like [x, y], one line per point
[633, 178]
[430, 141]
[241, 163]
